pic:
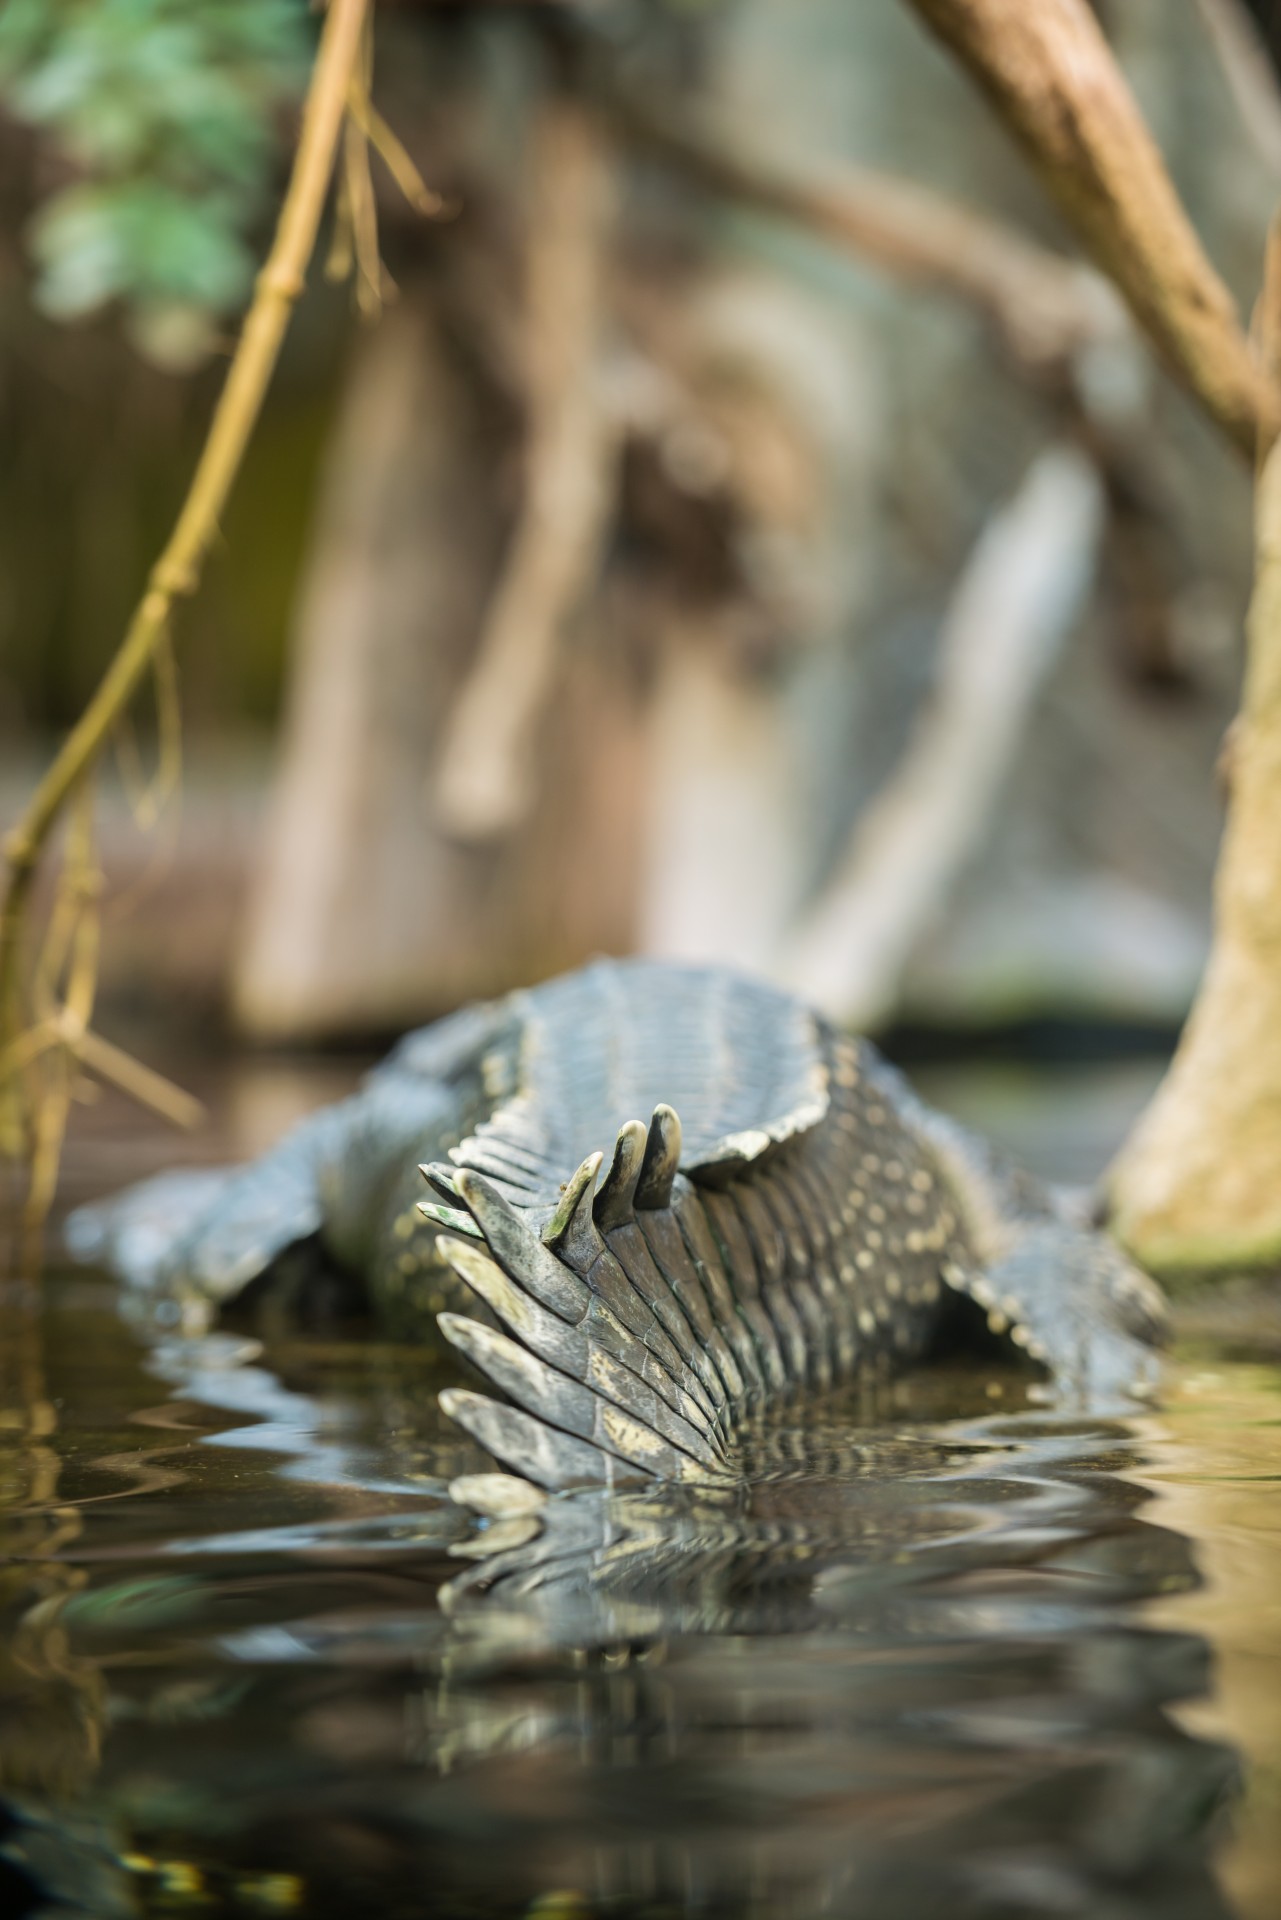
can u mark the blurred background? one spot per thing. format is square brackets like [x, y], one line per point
[733, 526]
[722, 518]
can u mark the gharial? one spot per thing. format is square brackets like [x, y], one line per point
[778, 1211]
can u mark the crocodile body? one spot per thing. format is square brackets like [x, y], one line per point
[662, 1201]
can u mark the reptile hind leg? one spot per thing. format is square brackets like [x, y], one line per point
[1071, 1301]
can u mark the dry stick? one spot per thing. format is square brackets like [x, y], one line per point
[148, 1088]
[1044, 306]
[178, 569]
[1052, 78]
[1015, 606]
[391, 150]
[51, 1106]
[1248, 70]
[485, 780]
[358, 188]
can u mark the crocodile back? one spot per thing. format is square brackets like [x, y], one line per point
[739, 1061]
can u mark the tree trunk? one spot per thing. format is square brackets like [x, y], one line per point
[1198, 1185]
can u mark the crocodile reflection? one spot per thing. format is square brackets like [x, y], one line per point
[904, 1683]
[909, 1679]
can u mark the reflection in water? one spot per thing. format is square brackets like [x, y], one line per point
[1214, 1459]
[909, 1676]
[49, 1734]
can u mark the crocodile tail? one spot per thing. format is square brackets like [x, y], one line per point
[622, 1355]
[641, 1329]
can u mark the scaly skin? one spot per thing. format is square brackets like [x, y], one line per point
[779, 1215]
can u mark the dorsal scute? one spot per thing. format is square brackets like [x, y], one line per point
[738, 1060]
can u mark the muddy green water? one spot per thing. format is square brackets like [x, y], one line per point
[1009, 1665]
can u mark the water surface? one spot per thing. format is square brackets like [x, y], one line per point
[963, 1656]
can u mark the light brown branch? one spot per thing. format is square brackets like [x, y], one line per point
[178, 569]
[1043, 307]
[73, 945]
[485, 780]
[1052, 78]
[141, 1083]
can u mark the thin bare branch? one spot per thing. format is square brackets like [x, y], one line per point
[358, 191]
[40, 1066]
[143, 1084]
[1049, 72]
[391, 151]
[28, 1047]
[74, 940]
[48, 1131]
[178, 569]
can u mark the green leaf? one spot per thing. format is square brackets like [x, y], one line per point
[75, 239]
[168, 109]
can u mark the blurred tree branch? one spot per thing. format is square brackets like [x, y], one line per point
[177, 572]
[1052, 79]
[484, 783]
[1041, 305]
[1014, 608]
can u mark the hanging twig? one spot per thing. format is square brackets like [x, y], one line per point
[486, 774]
[391, 151]
[72, 945]
[354, 247]
[1052, 78]
[143, 1084]
[373, 282]
[177, 572]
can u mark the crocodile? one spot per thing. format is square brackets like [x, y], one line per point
[662, 1202]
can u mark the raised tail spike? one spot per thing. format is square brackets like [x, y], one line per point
[520, 1252]
[588, 1412]
[452, 1219]
[604, 1358]
[662, 1160]
[444, 1178]
[615, 1203]
[571, 1233]
[596, 1345]
[629, 1334]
